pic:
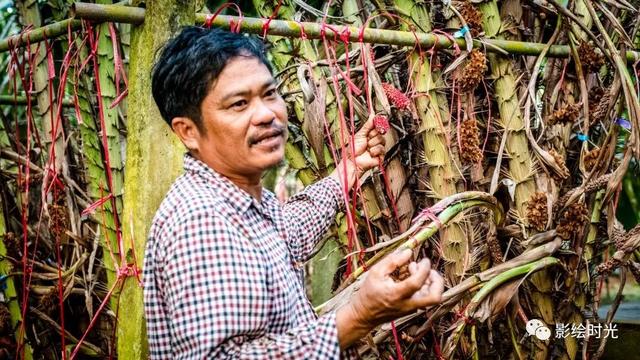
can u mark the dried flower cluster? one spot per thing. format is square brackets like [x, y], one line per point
[565, 115]
[590, 158]
[595, 95]
[59, 222]
[5, 320]
[400, 273]
[601, 108]
[470, 152]
[572, 221]
[607, 267]
[397, 97]
[537, 211]
[473, 72]
[494, 249]
[560, 161]
[472, 16]
[13, 245]
[49, 302]
[591, 60]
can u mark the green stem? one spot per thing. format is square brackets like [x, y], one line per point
[413, 240]
[490, 286]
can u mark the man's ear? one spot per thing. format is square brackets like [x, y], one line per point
[187, 131]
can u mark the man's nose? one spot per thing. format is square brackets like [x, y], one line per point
[264, 114]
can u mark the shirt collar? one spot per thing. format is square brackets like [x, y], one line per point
[238, 198]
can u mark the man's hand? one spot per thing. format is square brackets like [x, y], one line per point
[367, 151]
[368, 147]
[383, 298]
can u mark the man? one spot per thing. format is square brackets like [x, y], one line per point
[222, 273]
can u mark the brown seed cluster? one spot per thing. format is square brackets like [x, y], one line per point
[494, 249]
[59, 221]
[591, 158]
[595, 95]
[591, 60]
[12, 243]
[565, 115]
[473, 72]
[537, 211]
[600, 111]
[470, 152]
[472, 16]
[5, 320]
[560, 161]
[607, 267]
[49, 301]
[397, 97]
[572, 221]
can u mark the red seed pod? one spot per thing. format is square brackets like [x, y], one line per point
[397, 97]
[381, 123]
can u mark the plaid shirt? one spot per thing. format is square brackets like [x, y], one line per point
[223, 275]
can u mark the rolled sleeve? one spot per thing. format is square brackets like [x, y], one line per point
[309, 214]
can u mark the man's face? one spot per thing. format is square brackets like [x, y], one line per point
[244, 120]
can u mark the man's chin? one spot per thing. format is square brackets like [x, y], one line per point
[272, 160]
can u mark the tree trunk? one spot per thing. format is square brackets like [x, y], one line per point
[153, 152]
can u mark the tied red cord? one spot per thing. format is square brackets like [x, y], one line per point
[267, 23]
[233, 25]
[91, 208]
[123, 270]
[460, 314]
[351, 230]
[303, 35]
[119, 68]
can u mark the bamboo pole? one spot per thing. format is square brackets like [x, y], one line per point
[125, 14]
[22, 100]
[39, 34]
[116, 13]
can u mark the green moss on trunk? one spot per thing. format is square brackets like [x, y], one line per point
[154, 157]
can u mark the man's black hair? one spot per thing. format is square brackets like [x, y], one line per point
[189, 64]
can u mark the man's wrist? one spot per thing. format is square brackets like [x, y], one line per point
[346, 173]
[351, 326]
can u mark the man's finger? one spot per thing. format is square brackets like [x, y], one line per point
[367, 126]
[430, 294]
[393, 261]
[416, 280]
[377, 151]
[376, 140]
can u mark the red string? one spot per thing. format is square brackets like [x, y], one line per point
[233, 27]
[396, 341]
[118, 68]
[351, 235]
[123, 269]
[266, 24]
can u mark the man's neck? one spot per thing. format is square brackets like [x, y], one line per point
[252, 185]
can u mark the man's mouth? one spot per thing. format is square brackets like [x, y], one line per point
[268, 138]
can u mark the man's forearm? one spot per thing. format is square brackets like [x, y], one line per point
[350, 327]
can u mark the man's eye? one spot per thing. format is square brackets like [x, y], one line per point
[271, 93]
[238, 104]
